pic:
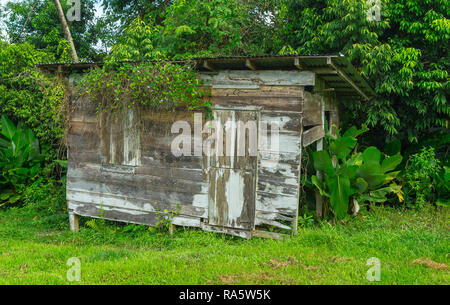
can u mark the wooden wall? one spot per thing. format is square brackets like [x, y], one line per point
[123, 169]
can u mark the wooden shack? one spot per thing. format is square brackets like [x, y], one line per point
[125, 174]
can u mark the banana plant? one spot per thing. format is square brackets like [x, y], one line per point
[348, 174]
[20, 159]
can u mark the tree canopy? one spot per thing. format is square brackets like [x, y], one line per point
[404, 55]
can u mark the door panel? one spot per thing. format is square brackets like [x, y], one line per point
[232, 198]
[236, 144]
[233, 170]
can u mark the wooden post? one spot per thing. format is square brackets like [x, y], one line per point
[73, 221]
[171, 229]
[295, 222]
[334, 120]
[319, 199]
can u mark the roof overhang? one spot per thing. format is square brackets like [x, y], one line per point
[336, 71]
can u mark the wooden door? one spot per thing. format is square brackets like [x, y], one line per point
[232, 169]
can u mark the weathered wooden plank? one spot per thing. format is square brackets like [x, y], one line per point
[312, 135]
[115, 214]
[75, 157]
[272, 216]
[271, 179]
[331, 104]
[235, 139]
[241, 78]
[132, 184]
[82, 143]
[334, 122]
[268, 103]
[280, 156]
[231, 198]
[180, 173]
[167, 201]
[261, 221]
[318, 196]
[284, 204]
[262, 91]
[185, 221]
[286, 121]
[82, 128]
[166, 158]
[312, 109]
[279, 141]
[223, 230]
[277, 169]
[278, 187]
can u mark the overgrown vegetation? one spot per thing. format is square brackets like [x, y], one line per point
[426, 180]
[135, 76]
[153, 86]
[412, 247]
[404, 56]
[20, 160]
[361, 176]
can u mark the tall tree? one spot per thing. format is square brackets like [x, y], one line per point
[404, 55]
[44, 31]
[66, 30]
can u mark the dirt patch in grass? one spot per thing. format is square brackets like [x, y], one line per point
[255, 278]
[291, 261]
[337, 259]
[430, 264]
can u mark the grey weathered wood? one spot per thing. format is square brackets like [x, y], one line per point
[312, 135]
[262, 221]
[236, 232]
[124, 169]
[114, 213]
[253, 79]
[312, 110]
[299, 187]
[231, 198]
[186, 221]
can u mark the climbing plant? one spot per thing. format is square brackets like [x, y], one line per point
[135, 75]
[155, 85]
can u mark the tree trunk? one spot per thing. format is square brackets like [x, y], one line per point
[66, 29]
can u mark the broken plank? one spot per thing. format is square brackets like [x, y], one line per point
[312, 135]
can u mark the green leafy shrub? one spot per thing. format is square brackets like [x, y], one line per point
[20, 160]
[425, 180]
[364, 177]
[158, 85]
[30, 96]
[135, 75]
[44, 200]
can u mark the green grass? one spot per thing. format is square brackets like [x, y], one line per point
[36, 250]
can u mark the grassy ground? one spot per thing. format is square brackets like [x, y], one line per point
[413, 248]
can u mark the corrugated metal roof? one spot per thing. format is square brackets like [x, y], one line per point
[335, 70]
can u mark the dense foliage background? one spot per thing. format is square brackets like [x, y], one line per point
[404, 56]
